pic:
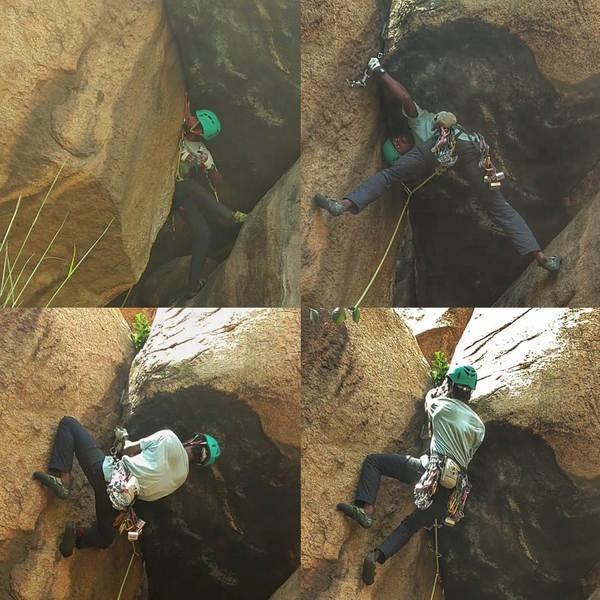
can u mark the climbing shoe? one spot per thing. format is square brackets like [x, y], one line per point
[368, 570]
[54, 483]
[331, 206]
[358, 514]
[69, 537]
[553, 264]
[239, 217]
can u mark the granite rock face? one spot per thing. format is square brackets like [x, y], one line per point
[87, 85]
[234, 374]
[57, 363]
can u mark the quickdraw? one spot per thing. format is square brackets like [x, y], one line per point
[444, 148]
[362, 82]
[456, 504]
[492, 175]
[128, 521]
[427, 486]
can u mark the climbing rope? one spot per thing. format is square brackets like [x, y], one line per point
[437, 559]
[438, 171]
[133, 555]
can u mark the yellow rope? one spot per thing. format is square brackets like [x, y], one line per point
[133, 555]
[437, 561]
[438, 171]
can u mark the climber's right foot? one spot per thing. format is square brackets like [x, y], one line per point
[356, 513]
[53, 483]
[69, 537]
[368, 571]
[331, 206]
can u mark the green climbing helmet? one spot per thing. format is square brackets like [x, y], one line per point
[464, 375]
[209, 443]
[389, 152]
[211, 126]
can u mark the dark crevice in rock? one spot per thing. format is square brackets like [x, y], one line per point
[230, 528]
[529, 531]
[543, 140]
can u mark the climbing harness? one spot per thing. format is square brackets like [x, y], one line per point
[444, 147]
[492, 175]
[362, 82]
[123, 487]
[439, 170]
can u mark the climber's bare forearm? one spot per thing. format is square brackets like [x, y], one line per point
[397, 90]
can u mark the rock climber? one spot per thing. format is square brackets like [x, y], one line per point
[457, 434]
[195, 197]
[160, 464]
[439, 140]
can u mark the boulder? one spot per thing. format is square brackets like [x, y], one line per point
[532, 515]
[99, 89]
[575, 284]
[234, 374]
[264, 267]
[341, 140]
[242, 61]
[362, 392]
[57, 363]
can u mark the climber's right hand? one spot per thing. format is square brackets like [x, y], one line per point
[374, 65]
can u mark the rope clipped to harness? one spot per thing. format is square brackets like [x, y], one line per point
[439, 170]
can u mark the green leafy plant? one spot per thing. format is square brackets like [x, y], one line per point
[141, 330]
[11, 293]
[440, 368]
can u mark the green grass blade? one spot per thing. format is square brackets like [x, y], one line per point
[11, 223]
[39, 212]
[80, 261]
[37, 266]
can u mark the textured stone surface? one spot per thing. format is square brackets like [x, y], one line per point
[290, 590]
[233, 527]
[57, 363]
[532, 514]
[437, 329]
[340, 148]
[575, 284]
[264, 267]
[362, 392]
[98, 86]
[242, 60]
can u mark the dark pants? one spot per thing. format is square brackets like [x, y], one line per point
[420, 162]
[72, 439]
[408, 470]
[199, 209]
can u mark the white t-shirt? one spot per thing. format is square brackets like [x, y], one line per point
[457, 429]
[422, 126]
[161, 467]
[200, 154]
